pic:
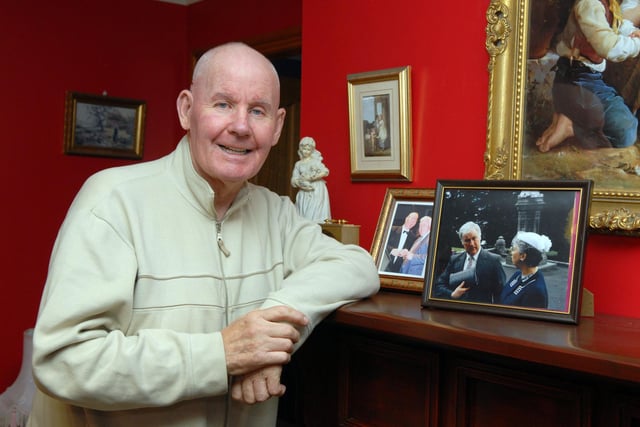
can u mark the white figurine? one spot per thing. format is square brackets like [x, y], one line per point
[312, 199]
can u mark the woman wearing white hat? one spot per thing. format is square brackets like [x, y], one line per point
[527, 286]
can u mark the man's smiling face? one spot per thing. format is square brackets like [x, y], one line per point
[232, 117]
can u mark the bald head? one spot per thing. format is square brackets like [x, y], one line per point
[411, 220]
[425, 225]
[235, 56]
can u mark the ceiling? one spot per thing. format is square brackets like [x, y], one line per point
[182, 2]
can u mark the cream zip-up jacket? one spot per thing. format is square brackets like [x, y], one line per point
[138, 290]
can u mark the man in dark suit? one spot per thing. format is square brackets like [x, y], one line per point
[400, 239]
[486, 282]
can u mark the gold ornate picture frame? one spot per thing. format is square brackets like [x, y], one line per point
[380, 125]
[398, 269]
[103, 126]
[520, 108]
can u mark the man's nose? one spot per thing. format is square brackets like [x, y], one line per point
[240, 122]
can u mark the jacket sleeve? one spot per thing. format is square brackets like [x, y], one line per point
[82, 353]
[321, 273]
[442, 287]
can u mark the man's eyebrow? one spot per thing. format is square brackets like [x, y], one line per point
[218, 95]
[226, 96]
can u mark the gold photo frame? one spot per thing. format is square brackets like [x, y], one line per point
[398, 204]
[103, 126]
[380, 125]
[520, 108]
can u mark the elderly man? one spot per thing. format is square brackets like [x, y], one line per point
[488, 274]
[400, 239]
[416, 257]
[177, 290]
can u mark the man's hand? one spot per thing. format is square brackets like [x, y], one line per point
[399, 252]
[262, 338]
[258, 386]
[459, 291]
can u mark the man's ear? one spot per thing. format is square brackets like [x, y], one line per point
[280, 115]
[184, 104]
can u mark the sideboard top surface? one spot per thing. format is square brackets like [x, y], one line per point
[601, 345]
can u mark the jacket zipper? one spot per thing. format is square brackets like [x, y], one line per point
[226, 253]
[221, 245]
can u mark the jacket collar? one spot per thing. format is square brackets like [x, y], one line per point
[194, 187]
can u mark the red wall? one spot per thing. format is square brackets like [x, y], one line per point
[214, 22]
[141, 49]
[129, 49]
[134, 49]
[449, 97]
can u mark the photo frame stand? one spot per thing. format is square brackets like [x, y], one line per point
[587, 306]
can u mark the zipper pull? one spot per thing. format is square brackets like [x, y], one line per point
[221, 245]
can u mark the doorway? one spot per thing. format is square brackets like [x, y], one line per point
[284, 50]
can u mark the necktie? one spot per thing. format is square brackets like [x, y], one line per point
[469, 263]
[403, 239]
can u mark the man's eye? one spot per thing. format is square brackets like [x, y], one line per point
[257, 112]
[221, 105]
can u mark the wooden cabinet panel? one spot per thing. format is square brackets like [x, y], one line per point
[385, 361]
[619, 408]
[488, 396]
[384, 384]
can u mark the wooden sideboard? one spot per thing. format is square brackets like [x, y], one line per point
[386, 361]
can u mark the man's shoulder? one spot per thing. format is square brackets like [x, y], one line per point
[259, 191]
[130, 179]
[458, 256]
[113, 177]
[258, 195]
[489, 255]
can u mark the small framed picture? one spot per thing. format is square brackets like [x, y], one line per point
[401, 243]
[380, 125]
[508, 247]
[103, 126]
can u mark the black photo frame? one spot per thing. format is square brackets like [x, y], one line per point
[555, 209]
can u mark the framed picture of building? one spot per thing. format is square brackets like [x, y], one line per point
[97, 125]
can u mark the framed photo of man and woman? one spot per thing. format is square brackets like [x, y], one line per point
[563, 103]
[508, 247]
[401, 243]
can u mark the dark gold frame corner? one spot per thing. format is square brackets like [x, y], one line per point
[71, 143]
[507, 39]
